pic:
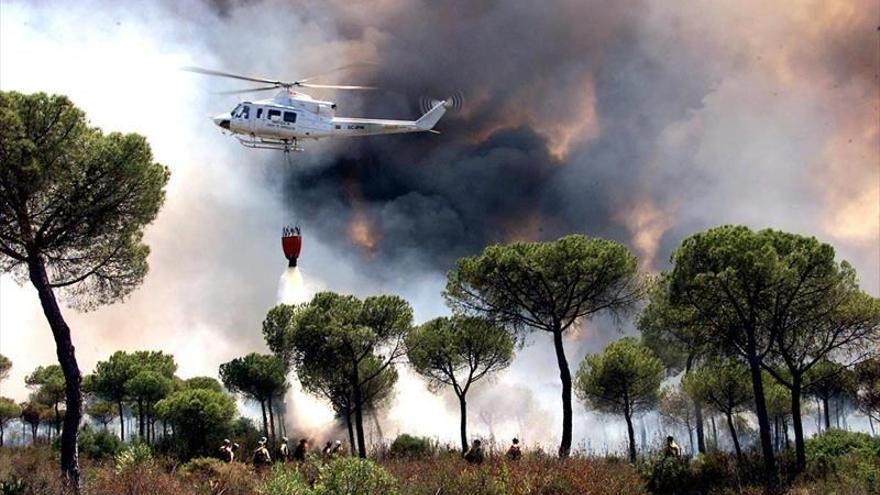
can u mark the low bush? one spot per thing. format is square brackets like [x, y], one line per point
[133, 456]
[849, 460]
[284, 480]
[410, 447]
[355, 476]
[98, 445]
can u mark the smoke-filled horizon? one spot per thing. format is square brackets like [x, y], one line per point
[639, 121]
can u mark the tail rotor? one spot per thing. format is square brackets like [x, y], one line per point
[453, 102]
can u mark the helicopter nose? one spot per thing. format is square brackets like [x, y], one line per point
[222, 121]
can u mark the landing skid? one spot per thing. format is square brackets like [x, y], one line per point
[285, 145]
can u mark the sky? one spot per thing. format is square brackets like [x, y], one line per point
[639, 121]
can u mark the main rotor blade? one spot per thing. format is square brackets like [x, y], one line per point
[335, 86]
[239, 91]
[344, 67]
[211, 72]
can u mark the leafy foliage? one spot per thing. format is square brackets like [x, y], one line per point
[85, 196]
[5, 366]
[99, 445]
[284, 481]
[200, 417]
[354, 476]
[547, 286]
[133, 456]
[623, 379]
[407, 446]
[205, 382]
[337, 339]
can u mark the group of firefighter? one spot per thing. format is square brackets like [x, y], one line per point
[262, 457]
[474, 455]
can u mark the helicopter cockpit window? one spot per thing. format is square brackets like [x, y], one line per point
[290, 117]
[245, 112]
[236, 112]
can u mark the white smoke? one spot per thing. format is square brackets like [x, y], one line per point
[306, 415]
[292, 287]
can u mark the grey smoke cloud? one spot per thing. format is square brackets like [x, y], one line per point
[640, 121]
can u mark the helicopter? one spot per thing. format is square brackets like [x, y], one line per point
[290, 117]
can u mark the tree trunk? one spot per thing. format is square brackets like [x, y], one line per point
[761, 413]
[733, 436]
[271, 422]
[1, 433]
[70, 368]
[57, 420]
[121, 422]
[785, 433]
[797, 423]
[141, 419]
[827, 413]
[352, 446]
[462, 405]
[777, 434]
[714, 433]
[701, 436]
[359, 416]
[690, 438]
[265, 421]
[632, 437]
[565, 377]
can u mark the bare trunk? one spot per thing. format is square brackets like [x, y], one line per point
[265, 421]
[72, 376]
[462, 405]
[761, 413]
[121, 421]
[565, 377]
[352, 446]
[141, 419]
[714, 432]
[359, 416]
[827, 413]
[797, 423]
[271, 422]
[632, 438]
[734, 436]
[701, 436]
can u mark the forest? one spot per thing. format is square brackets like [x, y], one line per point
[745, 337]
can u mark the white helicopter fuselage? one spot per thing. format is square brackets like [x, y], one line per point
[291, 117]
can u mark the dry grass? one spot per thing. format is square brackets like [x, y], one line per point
[533, 474]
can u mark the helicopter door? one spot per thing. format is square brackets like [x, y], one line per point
[244, 117]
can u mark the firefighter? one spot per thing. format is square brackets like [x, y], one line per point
[328, 448]
[299, 453]
[283, 451]
[338, 449]
[474, 455]
[672, 449]
[227, 454]
[514, 452]
[261, 454]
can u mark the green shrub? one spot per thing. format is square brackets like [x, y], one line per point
[98, 445]
[284, 481]
[132, 456]
[834, 443]
[848, 458]
[202, 467]
[410, 447]
[667, 475]
[355, 476]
